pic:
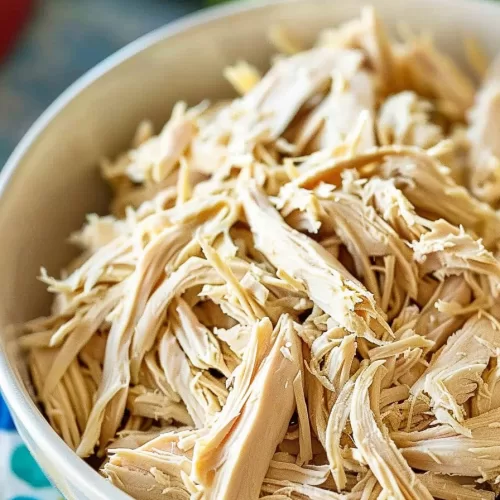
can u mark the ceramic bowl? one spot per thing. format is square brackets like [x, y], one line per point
[51, 180]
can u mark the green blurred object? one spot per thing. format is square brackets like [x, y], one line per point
[216, 2]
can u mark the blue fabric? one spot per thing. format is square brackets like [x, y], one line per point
[6, 422]
[20, 476]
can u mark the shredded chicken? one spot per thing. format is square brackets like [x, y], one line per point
[295, 296]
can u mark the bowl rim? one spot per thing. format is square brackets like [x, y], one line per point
[21, 405]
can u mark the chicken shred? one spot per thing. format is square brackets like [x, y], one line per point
[295, 295]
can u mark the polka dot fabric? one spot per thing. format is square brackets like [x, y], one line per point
[20, 476]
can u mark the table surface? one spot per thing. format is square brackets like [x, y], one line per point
[62, 40]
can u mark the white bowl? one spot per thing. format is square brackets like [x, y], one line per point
[51, 181]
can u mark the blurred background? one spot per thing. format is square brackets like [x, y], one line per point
[45, 45]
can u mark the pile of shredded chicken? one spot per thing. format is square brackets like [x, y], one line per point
[296, 294]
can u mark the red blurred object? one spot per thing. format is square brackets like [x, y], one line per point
[13, 15]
